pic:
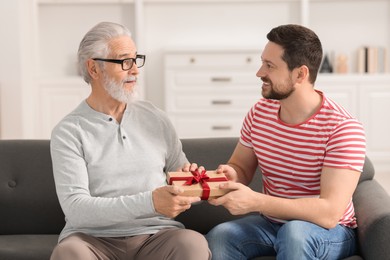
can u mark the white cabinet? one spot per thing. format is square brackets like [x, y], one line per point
[368, 99]
[343, 90]
[374, 114]
[207, 95]
[208, 92]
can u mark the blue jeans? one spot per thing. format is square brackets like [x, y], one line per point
[255, 235]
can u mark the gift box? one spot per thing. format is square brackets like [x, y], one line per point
[203, 184]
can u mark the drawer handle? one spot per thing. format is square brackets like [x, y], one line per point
[221, 127]
[221, 79]
[221, 102]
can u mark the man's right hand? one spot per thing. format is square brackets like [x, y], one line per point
[168, 201]
[229, 172]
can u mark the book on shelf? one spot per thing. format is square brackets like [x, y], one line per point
[372, 59]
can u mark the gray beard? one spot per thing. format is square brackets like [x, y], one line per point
[118, 92]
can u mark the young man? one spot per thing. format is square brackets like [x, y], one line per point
[110, 156]
[310, 151]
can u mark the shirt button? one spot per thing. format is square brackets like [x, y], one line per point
[110, 119]
[124, 137]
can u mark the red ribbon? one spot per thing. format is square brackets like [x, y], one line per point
[198, 177]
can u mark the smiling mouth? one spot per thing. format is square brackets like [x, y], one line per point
[266, 84]
[266, 81]
[131, 80]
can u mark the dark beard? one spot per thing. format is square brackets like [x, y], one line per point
[278, 95]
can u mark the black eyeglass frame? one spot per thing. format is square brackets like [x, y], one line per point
[134, 60]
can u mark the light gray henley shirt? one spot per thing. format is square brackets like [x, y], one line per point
[105, 171]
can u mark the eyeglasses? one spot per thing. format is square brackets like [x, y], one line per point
[127, 64]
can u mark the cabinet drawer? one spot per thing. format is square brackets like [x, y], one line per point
[213, 103]
[217, 126]
[217, 79]
[203, 60]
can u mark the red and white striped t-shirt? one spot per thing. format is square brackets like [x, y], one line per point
[291, 157]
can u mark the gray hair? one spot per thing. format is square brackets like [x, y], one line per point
[95, 44]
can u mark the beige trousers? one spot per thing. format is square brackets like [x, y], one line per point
[172, 244]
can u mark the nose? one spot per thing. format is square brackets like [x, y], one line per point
[134, 70]
[260, 73]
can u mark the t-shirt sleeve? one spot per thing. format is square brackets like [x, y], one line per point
[346, 147]
[246, 129]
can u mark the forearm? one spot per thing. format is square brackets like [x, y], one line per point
[86, 211]
[241, 177]
[315, 210]
[244, 162]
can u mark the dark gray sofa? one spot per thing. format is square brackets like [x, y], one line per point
[31, 217]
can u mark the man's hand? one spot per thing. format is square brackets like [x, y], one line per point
[229, 172]
[189, 167]
[168, 202]
[239, 201]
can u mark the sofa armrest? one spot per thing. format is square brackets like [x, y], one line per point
[372, 206]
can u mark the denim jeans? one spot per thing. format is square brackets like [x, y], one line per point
[255, 235]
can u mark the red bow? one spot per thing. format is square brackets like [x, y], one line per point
[202, 178]
[198, 177]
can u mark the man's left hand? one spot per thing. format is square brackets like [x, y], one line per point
[239, 201]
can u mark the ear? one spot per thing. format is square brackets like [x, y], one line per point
[93, 69]
[302, 73]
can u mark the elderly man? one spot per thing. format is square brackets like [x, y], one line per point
[110, 156]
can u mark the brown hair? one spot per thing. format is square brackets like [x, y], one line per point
[301, 47]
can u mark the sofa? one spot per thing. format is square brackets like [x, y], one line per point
[31, 217]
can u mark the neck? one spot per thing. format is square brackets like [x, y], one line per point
[107, 105]
[300, 106]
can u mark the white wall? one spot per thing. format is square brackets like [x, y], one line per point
[16, 68]
[10, 69]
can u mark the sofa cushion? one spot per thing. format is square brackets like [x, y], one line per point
[27, 247]
[28, 192]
